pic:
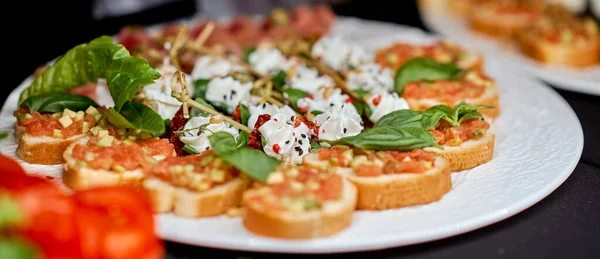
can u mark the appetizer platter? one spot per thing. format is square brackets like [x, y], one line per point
[543, 39]
[301, 132]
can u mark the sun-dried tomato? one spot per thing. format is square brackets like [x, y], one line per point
[254, 140]
[177, 123]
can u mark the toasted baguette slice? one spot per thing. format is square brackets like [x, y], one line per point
[165, 197]
[492, 24]
[42, 150]
[583, 55]
[331, 218]
[469, 154]
[400, 190]
[79, 178]
[490, 97]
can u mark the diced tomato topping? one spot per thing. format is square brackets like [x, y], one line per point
[377, 100]
[45, 124]
[333, 153]
[448, 92]
[368, 170]
[444, 132]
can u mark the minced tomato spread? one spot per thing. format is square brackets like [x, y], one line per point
[392, 162]
[445, 134]
[470, 85]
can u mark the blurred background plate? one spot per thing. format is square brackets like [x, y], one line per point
[437, 18]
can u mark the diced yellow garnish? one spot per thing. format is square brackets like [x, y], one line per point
[105, 141]
[204, 186]
[119, 168]
[65, 121]
[86, 127]
[145, 135]
[57, 133]
[79, 115]
[312, 185]
[98, 116]
[217, 175]
[91, 110]
[297, 186]
[275, 178]
[28, 116]
[454, 142]
[57, 114]
[95, 130]
[293, 172]
[69, 113]
[102, 133]
[188, 168]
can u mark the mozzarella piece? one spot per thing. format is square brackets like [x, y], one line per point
[208, 67]
[198, 138]
[158, 95]
[336, 125]
[371, 77]
[338, 54]
[284, 141]
[271, 109]
[228, 92]
[306, 78]
[325, 99]
[267, 60]
[383, 103]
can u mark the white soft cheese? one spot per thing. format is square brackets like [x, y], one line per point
[198, 138]
[267, 108]
[336, 125]
[383, 103]
[158, 94]
[267, 60]
[284, 141]
[325, 99]
[371, 77]
[338, 54]
[208, 67]
[306, 78]
[228, 92]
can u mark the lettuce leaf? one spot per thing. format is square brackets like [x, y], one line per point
[85, 63]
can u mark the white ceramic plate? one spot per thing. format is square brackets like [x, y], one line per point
[578, 80]
[538, 144]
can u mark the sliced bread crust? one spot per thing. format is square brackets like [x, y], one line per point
[333, 217]
[469, 154]
[42, 150]
[401, 190]
[165, 197]
[583, 55]
[489, 23]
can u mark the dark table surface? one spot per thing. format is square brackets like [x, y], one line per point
[566, 224]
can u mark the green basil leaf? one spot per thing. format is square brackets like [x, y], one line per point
[279, 80]
[15, 248]
[3, 135]
[446, 112]
[242, 139]
[294, 95]
[200, 88]
[390, 138]
[247, 51]
[360, 107]
[462, 109]
[314, 145]
[190, 150]
[410, 119]
[316, 112]
[252, 162]
[222, 143]
[167, 122]
[137, 116]
[361, 93]
[86, 63]
[244, 114]
[422, 68]
[263, 141]
[57, 102]
[469, 116]
[10, 212]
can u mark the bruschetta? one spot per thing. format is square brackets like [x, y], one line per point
[388, 179]
[560, 38]
[443, 51]
[299, 202]
[194, 186]
[102, 160]
[504, 18]
[466, 146]
[43, 137]
[472, 87]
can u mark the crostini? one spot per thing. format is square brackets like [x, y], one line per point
[471, 86]
[43, 137]
[103, 160]
[504, 18]
[194, 186]
[299, 202]
[388, 179]
[443, 51]
[560, 38]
